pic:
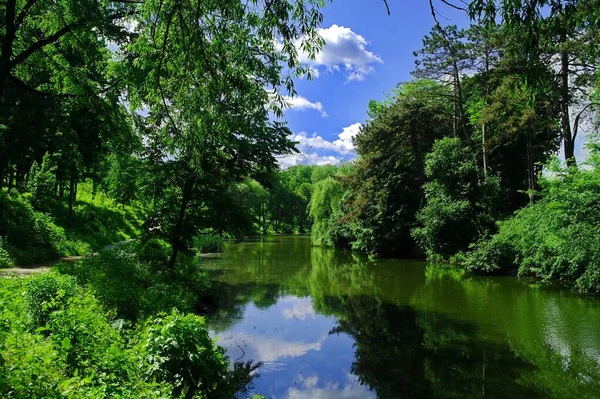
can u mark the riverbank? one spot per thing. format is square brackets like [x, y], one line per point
[118, 323]
[32, 235]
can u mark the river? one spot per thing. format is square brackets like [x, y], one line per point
[332, 324]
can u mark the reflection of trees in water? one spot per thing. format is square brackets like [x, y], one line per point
[415, 332]
[401, 353]
[556, 331]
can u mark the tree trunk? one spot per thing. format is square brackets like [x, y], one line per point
[7, 45]
[530, 168]
[484, 150]
[188, 189]
[72, 195]
[3, 167]
[568, 140]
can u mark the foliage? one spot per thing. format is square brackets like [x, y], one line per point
[76, 353]
[177, 349]
[209, 243]
[326, 212]
[459, 207]
[47, 294]
[135, 282]
[32, 236]
[29, 236]
[6, 259]
[385, 189]
[41, 184]
[56, 340]
[557, 237]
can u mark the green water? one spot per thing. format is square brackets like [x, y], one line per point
[330, 324]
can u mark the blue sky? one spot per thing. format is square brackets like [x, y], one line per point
[366, 55]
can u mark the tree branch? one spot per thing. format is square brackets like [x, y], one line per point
[387, 7]
[35, 91]
[23, 13]
[578, 117]
[57, 35]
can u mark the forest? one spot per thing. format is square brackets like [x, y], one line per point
[159, 124]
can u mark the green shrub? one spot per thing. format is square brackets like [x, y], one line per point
[556, 237]
[488, 255]
[177, 349]
[209, 243]
[134, 280]
[45, 294]
[29, 236]
[77, 355]
[6, 259]
[42, 180]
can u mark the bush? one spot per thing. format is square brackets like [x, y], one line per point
[557, 237]
[84, 352]
[209, 243]
[45, 294]
[177, 349]
[77, 355]
[29, 236]
[488, 255]
[134, 281]
[6, 259]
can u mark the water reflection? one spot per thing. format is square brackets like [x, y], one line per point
[335, 325]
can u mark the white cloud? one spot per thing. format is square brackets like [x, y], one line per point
[344, 142]
[342, 145]
[349, 389]
[344, 49]
[302, 308]
[308, 159]
[268, 350]
[301, 103]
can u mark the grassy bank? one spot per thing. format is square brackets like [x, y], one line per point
[31, 234]
[115, 324]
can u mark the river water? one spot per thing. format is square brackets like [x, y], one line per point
[332, 324]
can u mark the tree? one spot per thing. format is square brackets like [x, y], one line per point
[459, 209]
[386, 186]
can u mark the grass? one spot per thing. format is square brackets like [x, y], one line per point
[30, 236]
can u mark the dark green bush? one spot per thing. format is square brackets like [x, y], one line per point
[557, 237]
[134, 280]
[46, 294]
[29, 236]
[488, 255]
[209, 243]
[6, 259]
[177, 349]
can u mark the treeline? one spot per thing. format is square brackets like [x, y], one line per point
[123, 119]
[460, 164]
[167, 105]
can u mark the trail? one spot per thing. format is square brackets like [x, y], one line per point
[22, 271]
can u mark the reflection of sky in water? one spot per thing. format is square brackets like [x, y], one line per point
[301, 359]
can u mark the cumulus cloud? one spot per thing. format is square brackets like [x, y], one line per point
[343, 144]
[301, 104]
[308, 159]
[349, 389]
[301, 308]
[269, 350]
[344, 49]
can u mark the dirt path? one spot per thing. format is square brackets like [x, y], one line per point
[21, 271]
